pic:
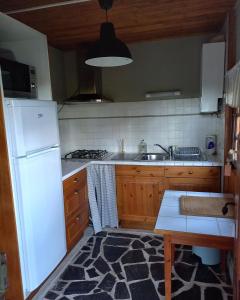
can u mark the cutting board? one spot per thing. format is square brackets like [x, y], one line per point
[205, 206]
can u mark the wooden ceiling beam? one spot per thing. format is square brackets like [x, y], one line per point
[13, 7]
[133, 20]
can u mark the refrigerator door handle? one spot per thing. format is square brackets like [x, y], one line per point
[41, 152]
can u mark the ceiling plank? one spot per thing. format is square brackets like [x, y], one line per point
[135, 20]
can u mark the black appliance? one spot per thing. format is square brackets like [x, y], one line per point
[19, 80]
[87, 154]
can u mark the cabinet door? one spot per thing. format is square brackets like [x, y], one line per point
[76, 207]
[76, 227]
[75, 201]
[75, 182]
[146, 171]
[193, 172]
[139, 200]
[194, 184]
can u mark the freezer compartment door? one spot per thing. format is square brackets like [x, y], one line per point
[33, 126]
[41, 209]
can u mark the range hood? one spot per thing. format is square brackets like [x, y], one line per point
[89, 84]
[87, 98]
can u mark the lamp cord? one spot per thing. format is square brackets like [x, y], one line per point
[106, 15]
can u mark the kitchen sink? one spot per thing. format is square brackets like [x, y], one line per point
[152, 156]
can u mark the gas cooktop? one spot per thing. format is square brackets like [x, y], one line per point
[87, 154]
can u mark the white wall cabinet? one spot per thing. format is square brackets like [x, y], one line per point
[29, 47]
[213, 61]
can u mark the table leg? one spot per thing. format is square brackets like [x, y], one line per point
[167, 266]
[223, 261]
[173, 252]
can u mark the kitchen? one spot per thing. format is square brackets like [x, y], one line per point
[157, 99]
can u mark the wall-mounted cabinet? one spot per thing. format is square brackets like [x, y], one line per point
[30, 47]
[213, 59]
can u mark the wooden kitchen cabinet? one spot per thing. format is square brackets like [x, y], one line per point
[194, 184]
[141, 188]
[196, 179]
[76, 207]
[139, 195]
[147, 171]
[192, 172]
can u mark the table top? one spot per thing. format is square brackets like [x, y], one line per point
[169, 217]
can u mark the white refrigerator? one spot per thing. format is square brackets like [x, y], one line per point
[35, 163]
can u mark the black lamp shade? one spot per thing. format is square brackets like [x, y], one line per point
[108, 51]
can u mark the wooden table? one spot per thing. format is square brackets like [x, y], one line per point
[188, 230]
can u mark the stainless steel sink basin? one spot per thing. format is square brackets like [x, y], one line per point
[152, 156]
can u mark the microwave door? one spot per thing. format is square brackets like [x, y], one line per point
[7, 80]
[18, 79]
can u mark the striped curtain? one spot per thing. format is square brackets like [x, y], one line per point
[102, 196]
[232, 87]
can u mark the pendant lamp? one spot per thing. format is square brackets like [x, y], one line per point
[109, 51]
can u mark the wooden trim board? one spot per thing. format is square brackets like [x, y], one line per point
[203, 240]
[8, 231]
[184, 238]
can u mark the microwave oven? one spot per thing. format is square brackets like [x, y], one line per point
[19, 80]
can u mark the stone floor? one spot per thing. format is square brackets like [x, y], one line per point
[114, 265]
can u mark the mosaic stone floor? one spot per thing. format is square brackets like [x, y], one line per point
[114, 265]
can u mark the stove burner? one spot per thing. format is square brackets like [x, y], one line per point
[87, 154]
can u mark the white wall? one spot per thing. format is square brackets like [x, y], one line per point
[57, 71]
[30, 47]
[169, 122]
[71, 72]
[167, 64]
[64, 68]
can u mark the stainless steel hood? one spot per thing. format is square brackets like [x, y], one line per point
[89, 84]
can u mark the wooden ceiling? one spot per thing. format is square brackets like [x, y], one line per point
[68, 26]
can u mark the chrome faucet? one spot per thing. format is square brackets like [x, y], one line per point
[169, 151]
[162, 148]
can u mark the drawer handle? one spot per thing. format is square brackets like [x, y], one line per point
[138, 171]
[76, 180]
[190, 172]
[78, 218]
[76, 193]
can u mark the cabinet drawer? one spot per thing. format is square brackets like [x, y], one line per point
[75, 201]
[138, 222]
[75, 228]
[73, 183]
[140, 171]
[198, 172]
[195, 184]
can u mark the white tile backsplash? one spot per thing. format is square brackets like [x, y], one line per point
[101, 126]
